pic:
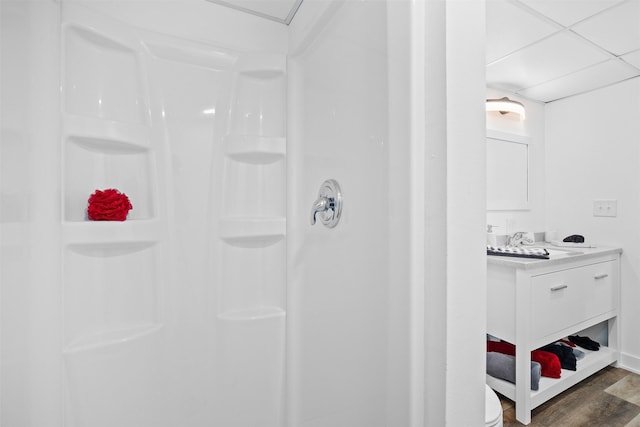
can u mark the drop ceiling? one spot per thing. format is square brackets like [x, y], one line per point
[547, 50]
[543, 50]
[276, 10]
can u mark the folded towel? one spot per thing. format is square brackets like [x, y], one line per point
[503, 366]
[565, 354]
[549, 362]
[577, 353]
[585, 342]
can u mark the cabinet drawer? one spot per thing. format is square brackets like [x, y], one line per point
[565, 298]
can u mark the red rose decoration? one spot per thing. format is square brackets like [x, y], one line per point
[108, 205]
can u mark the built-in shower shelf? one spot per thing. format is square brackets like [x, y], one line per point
[106, 146]
[110, 338]
[96, 38]
[265, 66]
[103, 75]
[106, 136]
[256, 313]
[119, 233]
[201, 55]
[252, 232]
[96, 250]
[255, 149]
[265, 74]
[114, 156]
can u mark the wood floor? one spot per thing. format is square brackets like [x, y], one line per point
[610, 398]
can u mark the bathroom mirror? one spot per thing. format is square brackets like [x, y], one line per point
[508, 175]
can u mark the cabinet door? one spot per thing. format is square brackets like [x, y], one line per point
[565, 298]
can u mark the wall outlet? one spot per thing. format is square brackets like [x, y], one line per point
[605, 208]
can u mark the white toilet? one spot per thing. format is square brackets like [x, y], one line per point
[492, 409]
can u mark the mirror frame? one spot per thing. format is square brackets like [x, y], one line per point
[516, 204]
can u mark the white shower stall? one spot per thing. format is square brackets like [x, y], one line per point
[217, 303]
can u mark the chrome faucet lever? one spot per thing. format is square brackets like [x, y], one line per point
[519, 238]
[320, 205]
[328, 204]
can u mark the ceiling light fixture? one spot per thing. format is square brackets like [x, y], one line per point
[505, 106]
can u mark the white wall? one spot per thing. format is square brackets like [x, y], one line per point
[454, 203]
[430, 70]
[466, 262]
[593, 152]
[533, 126]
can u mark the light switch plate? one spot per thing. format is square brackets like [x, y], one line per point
[605, 208]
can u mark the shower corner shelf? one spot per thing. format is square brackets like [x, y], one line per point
[255, 149]
[255, 313]
[265, 66]
[106, 339]
[116, 40]
[252, 232]
[92, 233]
[106, 136]
[192, 53]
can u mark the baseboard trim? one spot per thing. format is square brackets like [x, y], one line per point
[629, 362]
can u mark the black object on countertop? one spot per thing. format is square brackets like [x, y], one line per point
[574, 238]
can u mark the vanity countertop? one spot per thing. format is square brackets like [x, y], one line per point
[557, 256]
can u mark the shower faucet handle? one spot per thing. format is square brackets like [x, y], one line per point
[328, 204]
[320, 205]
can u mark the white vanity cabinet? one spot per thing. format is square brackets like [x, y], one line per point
[533, 302]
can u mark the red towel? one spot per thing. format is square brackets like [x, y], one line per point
[549, 362]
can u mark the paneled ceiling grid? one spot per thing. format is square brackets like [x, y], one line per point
[541, 49]
[550, 49]
[276, 10]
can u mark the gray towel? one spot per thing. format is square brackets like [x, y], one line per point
[503, 366]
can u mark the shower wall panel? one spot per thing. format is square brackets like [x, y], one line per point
[30, 311]
[348, 318]
[176, 315]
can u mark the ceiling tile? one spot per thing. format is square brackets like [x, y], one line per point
[509, 28]
[568, 12]
[275, 9]
[551, 58]
[603, 74]
[616, 30]
[633, 58]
